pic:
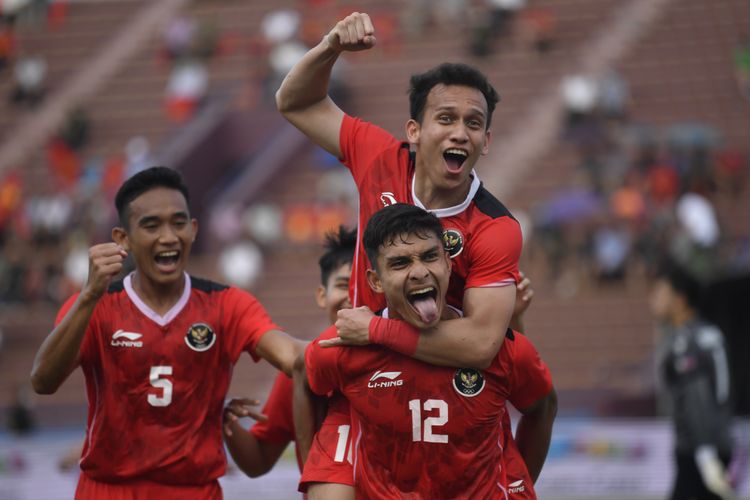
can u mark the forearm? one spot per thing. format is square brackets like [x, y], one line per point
[246, 451]
[304, 410]
[534, 433]
[460, 342]
[307, 82]
[59, 353]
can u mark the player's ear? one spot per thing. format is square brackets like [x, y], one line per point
[194, 223]
[412, 131]
[320, 296]
[374, 281]
[487, 137]
[120, 236]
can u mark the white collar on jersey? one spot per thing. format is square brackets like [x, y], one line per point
[147, 311]
[449, 211]
[460, 313]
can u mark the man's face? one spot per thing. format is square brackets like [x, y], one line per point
[661, 300]
[159, 236]
[335, 295]
[413, 273]
[452, 135]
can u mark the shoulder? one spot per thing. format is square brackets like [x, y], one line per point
[207, 286]
[486, 203]
[708, 336]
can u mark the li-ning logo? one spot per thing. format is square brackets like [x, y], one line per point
[372, 384]
[131, 339]
[516, 487]
[388, 198]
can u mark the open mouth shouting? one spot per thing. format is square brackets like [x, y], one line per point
[454, 159]
[167, 261]
[424, 302]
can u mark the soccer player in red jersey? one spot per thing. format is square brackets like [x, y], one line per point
[451, 108]
[418, 429]
[258, 450]
[157, 350]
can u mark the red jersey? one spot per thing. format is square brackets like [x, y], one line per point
[330, 458]
[482, 237]
[422, 430]
[156, 384]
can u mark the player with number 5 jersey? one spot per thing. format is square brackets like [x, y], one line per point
[157, 350]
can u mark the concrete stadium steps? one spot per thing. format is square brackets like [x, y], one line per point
[66, 48]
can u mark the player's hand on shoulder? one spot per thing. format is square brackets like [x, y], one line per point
[352, 326]
[238, 408]
[105, 262]
[524, 294]
[354, 32]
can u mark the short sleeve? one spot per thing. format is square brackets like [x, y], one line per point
[495, 250]
[279, 428]
[322, 364]
[245, 322]
[361, 142]
[531, 379]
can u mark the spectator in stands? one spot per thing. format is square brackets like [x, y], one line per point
[613, 95]
[177, 38]
[538, 28]
[694, 373]
[76, 129]
[7, 42]
[186, 89]
[30, 74]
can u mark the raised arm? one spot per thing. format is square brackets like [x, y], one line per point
[59, 354]
[303, 96]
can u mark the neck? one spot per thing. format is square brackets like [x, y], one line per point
[159, 297]
[434, 197]
[682, 316]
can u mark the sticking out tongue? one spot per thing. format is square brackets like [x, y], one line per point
[427, 309]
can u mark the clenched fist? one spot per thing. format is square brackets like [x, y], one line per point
[354, 32]
[105, 262]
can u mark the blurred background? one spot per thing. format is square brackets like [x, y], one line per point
[623, 133]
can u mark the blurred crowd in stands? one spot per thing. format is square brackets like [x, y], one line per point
[640, 189]
[639, 192]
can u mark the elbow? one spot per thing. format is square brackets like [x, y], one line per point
[483, 356]
[283, 103]
[256, 470]
[298, 368]
[42, 386]
[552, 404]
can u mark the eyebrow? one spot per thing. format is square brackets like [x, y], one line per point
[155, 218]
[448, 107]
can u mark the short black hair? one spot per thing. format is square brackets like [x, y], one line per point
[339, 247]
[147, 180]
[683, 282]
[393, 222]
[449, 74]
